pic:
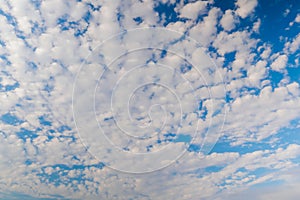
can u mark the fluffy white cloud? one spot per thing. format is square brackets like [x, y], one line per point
[60, 164]
[294, 45]
[297, 19]
[245, 7]
[256, 26]
[279, 63]
[228, 20]
[192, 10]
[266, 52]
[205, 31]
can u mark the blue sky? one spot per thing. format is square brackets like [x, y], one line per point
[149, 99]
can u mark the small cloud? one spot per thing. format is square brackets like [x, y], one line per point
[297, 19]
[280, 63]
[245, 7]
[256, 26]
[228, 21]
[286, 12]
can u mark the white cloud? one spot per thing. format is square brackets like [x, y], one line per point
[267, 111]
[294, 45]
[228, 20]
[256, 26]
[297, 19]
[207, 184]
[266, 53]
[279, 63]
[245, 7]
[192, 10]
[286, 12]
[257, 73]
[52, 10]
[273, 191]
[205, 31]
[239, 41]
[58, 55]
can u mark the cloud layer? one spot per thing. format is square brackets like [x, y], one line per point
[47, 152]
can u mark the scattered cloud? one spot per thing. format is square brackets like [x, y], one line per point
[228, 20]
[279, 63]
[42, 47]
[245, 7]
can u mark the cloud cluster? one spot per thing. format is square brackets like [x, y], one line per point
[43, 46]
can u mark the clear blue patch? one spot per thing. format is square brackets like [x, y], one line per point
[49, 88]
[243, 73]
[36, 3]
[75, 158]
[183, 138]
[290, 135]
[228, 97]
[126, 149]
[108, 118]
[166, 12]
[44, 122]
[229, 57]
[294, 73]
[224, 145]
[224, 5]
[25, 134]
[170, 135]
[295, 160]
[194, 148]
[120, 16]
[5, 60]
[2, 43]
[32, 65]
[273, 23]
[203, 111]
[167, 138]
[163, 53]
[261, 171]
[185, 68]
[275, 78]
[7, 88]
[37, 29]
[12, 87]
[93, 7]
[149, 147]
[10, 119]
[10, 19]
[268, 184]
[64, 128]
[64, 24]
[28, 162]
[87, 16]
[212, 169]
[51, 131]
[50, 137]
[138, 20]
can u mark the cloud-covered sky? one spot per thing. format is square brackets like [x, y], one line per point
[149, 99]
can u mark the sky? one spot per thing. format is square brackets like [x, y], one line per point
[149, 99]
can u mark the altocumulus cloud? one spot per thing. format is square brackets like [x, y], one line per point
[43, 45]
